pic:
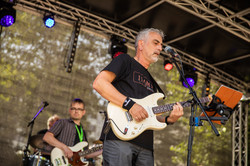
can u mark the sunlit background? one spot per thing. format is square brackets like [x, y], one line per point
[33, 60]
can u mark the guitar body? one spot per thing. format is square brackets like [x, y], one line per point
[134, 128]
[58, 158]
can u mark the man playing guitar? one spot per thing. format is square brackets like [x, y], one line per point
[125, 78]
[68, 136]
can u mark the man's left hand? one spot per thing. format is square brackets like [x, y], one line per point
[176, 113]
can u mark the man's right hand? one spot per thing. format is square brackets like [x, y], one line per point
[138, 112]
[67, 151]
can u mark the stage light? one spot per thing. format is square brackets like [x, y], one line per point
[190, 81]
[7, 15]
[207, 85]
[72, 49]
[48, 20]
[117, 46]
[190, 76]
[167, 65]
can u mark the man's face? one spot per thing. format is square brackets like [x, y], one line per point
[152, 47]
[76, 111]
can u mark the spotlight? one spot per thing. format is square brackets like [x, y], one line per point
[190, 76]
[167, 65]
[7, 15]
[117, 46]
[190, 81]
[48, 20]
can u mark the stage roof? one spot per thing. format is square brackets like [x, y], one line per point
[212, 35]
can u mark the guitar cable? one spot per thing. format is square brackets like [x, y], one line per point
[126, 129]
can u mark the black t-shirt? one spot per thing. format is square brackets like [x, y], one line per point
[134, 81]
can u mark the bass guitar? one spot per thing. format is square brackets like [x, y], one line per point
[58, 158]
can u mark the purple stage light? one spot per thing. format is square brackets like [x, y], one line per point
[7, 20]
[7, 16]
[190, 81]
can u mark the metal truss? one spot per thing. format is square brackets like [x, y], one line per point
[214, 73]
[98, 24]
[143, 11]
[70, 13]
[239, 135]
[218, 15]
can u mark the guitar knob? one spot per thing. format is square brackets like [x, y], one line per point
[133, 133]
[135, 128]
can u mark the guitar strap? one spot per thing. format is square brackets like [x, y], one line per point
[85, 139]
[156, 84]
[84, 134]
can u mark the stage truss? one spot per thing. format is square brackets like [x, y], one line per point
[232, 22]
[203, 9]
[239, 135]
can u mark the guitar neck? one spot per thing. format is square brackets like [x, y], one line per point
[92, 150]
[169, 107]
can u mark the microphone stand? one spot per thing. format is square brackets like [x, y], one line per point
[31, 124]
[192, 118]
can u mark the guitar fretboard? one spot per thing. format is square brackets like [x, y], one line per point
[169, 107]
[92, 150]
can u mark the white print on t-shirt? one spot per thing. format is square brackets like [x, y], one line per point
[141, 79]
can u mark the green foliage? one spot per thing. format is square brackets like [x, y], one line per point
[207, 147]
[32, 67]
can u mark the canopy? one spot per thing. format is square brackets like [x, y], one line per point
[211, 35]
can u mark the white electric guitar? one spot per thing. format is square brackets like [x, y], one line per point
[125, 128]
[58, 158]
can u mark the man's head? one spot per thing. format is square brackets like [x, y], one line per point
[52, 120]
[77, 109]
[143, 35]
[148, 44]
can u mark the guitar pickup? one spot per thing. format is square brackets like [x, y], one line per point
[64, 161]
[129, 117]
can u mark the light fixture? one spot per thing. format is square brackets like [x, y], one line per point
[7, 14]
[48, 20]
[167, 65]
[72, 49]
[207, 85]
[117, 46]
[190, 76]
